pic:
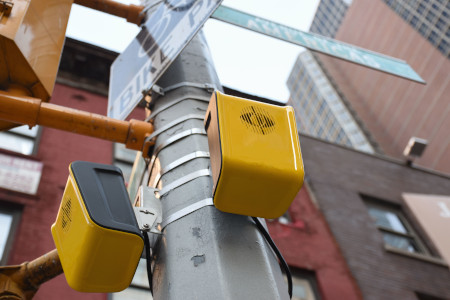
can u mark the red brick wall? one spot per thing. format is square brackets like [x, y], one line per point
[57, 149]
[338, 176]
[395, 109]
[307, 243]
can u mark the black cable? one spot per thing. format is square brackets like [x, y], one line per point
[283, 263]
[148, 259]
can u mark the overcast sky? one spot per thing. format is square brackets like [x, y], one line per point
[244, 60]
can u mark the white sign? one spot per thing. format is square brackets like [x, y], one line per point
[20, 174]
[167, 31]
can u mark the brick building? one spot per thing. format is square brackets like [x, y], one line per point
[364, 200]
[26, 215]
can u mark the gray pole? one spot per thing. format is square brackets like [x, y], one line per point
[206, 254]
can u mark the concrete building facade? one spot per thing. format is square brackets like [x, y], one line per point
[390, 110]
[329, 16]
[394, 109]
[319, 108]
[430, 18]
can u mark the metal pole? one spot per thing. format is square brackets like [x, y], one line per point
[207, 254]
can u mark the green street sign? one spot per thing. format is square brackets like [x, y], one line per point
[318, 43]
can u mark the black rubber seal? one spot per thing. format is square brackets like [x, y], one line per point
[105, 196]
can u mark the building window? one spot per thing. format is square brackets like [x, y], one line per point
[433, 38]
[124, 159]
[422, 296]
[20, 139]
[414, 21]
[285, 218]
[395, 228]
[440, 24]
[304, 285]
[138, 289]
[9, 218]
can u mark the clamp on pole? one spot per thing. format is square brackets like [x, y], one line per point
[148, 211]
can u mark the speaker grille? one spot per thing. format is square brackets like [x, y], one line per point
[258, 120]
[66, 210]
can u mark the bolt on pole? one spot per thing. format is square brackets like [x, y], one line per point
[207, 254]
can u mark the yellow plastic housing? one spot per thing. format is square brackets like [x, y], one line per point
[31, 40]
[255, 156]
[94, 258]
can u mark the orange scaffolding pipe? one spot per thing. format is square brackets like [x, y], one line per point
[23, 281]
[31, 111]
[132, 13]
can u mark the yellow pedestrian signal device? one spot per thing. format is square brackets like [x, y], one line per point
[96, 232]
[32, 37]
[255, 154]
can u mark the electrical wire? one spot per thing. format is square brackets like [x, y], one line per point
[283, 263]
[149, 260]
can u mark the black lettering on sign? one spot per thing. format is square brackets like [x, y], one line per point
[150, 42]
[126, 98]
[193, 13]
[167, 52]
[138, 84]
[146, 72]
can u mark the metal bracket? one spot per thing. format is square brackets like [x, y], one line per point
[158, 90]
[147, 209]
[145, 218]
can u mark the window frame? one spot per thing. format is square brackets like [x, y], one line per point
[134, 285]
[119, 160]
[423, 296]
[310, 278]
[15, 212]
[33, 138]
[398, 211]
